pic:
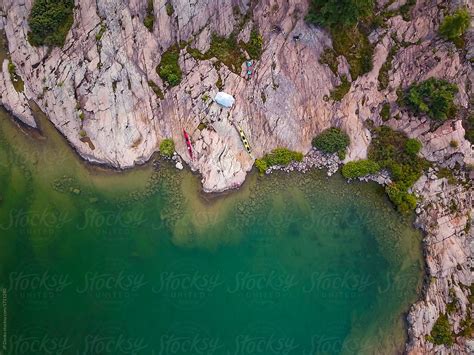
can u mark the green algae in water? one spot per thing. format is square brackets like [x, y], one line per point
[98, 262]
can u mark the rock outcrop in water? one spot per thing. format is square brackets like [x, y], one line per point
[98, 85]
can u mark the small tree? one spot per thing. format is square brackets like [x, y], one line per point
[167, 147]
[413, 146]
[169, 69]
[331, 140]
[433, 97]
[454, 26]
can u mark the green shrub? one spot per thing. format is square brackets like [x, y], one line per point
[282, 156]
[278, 156]
[354, 169]
[442, 332]
[50, 22]
[454, 144]
[413, 146]
[331, 140]
[169, 69]
[404, 201]
[454, 26]
[433, 97]
[149, 19]
[167, 147]
[340, 91]
[385, 112]
[261, 165]
[394, 151]
[336, 13]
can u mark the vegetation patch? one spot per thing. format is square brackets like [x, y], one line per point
[167, 147]
[102, 29]
[353, 44]
[17, 82]
[329, 57]
[169, 69]
[394, 151]
[385, 112]
[149, 19]
[225, 49]
[442, 332]
[448, 174]
[169, 9]
[331, 140]
[156, 89]
[337, 13]
[50, 22]
[405, 9]
[386, 67]
[230, 52]
[355, 169]
[454, 26]
[413, 146]
[468, 124]
[254, 47]
[433, 97]
[278, 156]
[341, 90]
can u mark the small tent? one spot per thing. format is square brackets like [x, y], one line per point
[224, 99]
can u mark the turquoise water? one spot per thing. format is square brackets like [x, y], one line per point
[99, 262]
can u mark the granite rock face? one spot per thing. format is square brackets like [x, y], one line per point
[98, 85]
[445, 216]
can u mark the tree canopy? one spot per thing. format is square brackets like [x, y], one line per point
[434, 97]
[50, 22]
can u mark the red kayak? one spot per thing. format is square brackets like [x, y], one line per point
[188, 143]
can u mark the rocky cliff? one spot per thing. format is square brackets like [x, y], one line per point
[103, 84]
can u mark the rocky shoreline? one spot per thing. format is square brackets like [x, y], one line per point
[448, 246]
[99, 87]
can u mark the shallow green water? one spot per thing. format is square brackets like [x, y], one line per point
[96, 262]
